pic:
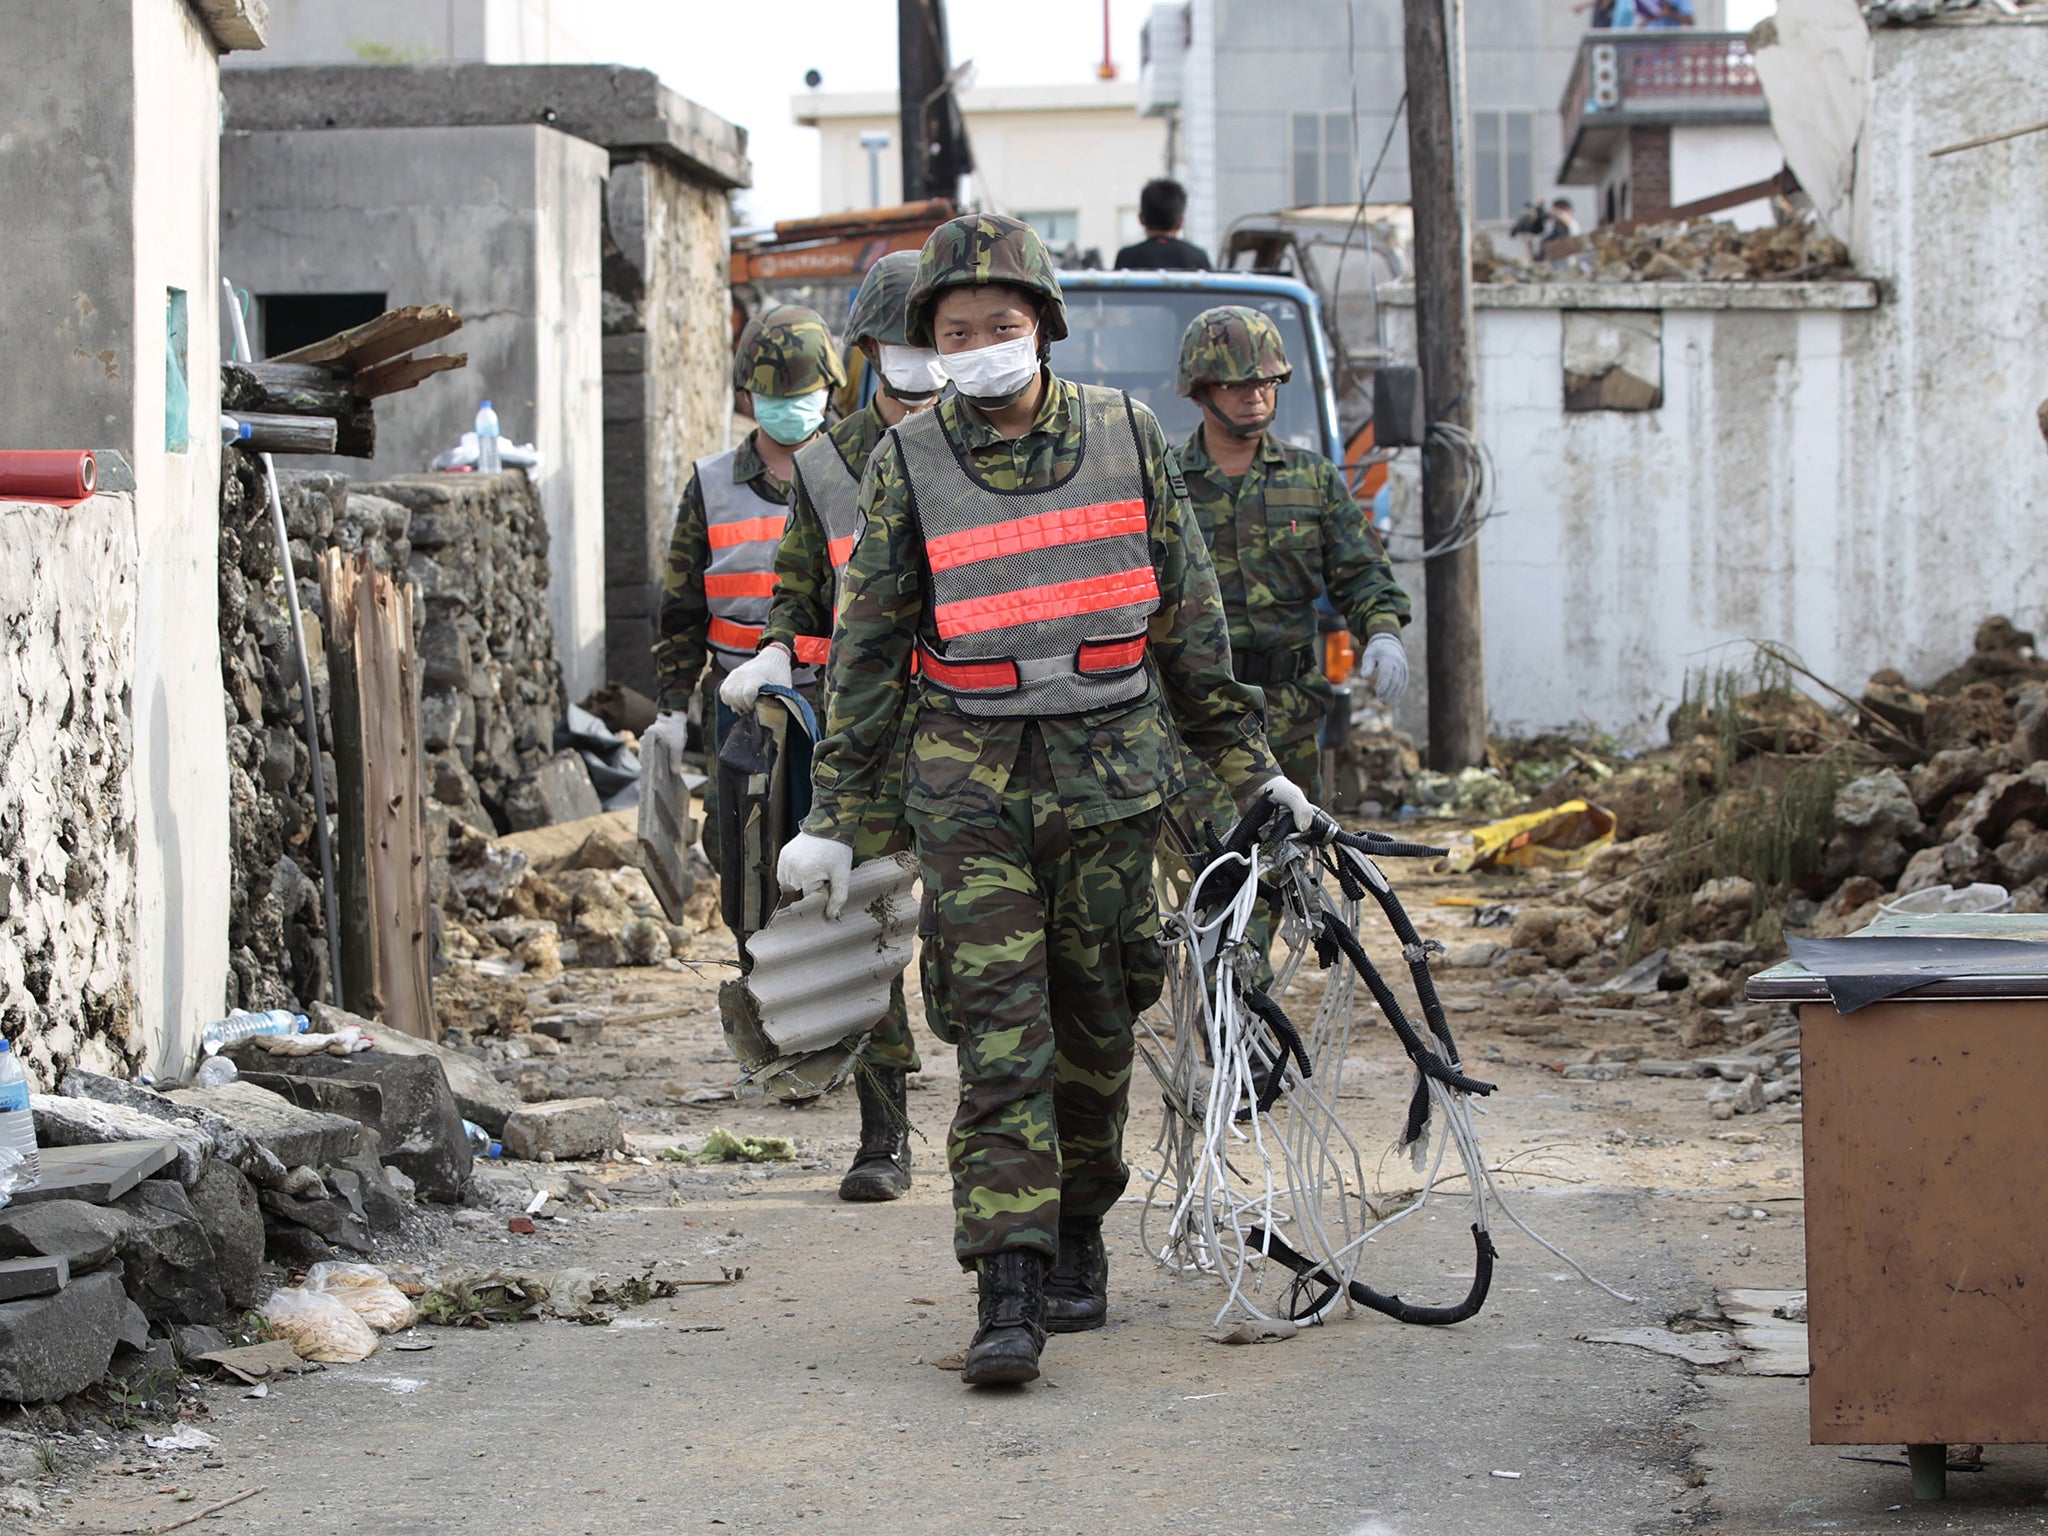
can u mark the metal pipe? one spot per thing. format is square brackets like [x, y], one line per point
[311, 716]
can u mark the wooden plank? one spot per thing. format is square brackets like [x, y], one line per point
[392, 333]
[1773, 1346]
[96, 1173]
[382, 873]
[356, 433]
[286, 389]
[404, 372]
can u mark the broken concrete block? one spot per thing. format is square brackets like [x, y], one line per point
[22, 1278]
[68, 1122]
[225, 1202]
[85, 1236]
[171, 1270]
[558, 790]
[228, 1143]
[53, 1346]
[478, 1095]
[417, 1123]
[486, 876]
[369, 1188]
[1727, 1100]
[294, 1136]
[330, 1219]
[564, 1129]
[360, 1102]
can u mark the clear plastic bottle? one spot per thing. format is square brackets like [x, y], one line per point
[17, 1121]
[488, 461]
[240, 1026]
[480, 1142]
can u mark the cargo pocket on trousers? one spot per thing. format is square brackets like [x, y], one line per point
[1144, 965]
[932, 973]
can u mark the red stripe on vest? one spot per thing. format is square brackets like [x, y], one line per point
[748, 530]
[728, 636]
[1046, 530]
[813, 650]
[740, 584]
[1035, 605]
[841, 551]
[968, 676]
[1110, 655]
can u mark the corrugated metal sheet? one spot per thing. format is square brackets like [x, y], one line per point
[817, 980]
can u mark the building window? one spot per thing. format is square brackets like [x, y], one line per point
[1320, 169]
[1503, 165]
[1057, 227]
[177, 389]
[293, 320]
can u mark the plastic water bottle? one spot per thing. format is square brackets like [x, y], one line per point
[17, 1122]
[488, 461]
[238, 1026]
[480, 1142]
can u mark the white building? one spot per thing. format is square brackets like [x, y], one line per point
[423, 32]
[1067, 159]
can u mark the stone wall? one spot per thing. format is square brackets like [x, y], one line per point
[475, 549]
[68, 594]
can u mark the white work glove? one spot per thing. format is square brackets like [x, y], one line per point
[768, 668]
[669, 735]
[816, 863]
[1289, 796]
[1387, 663]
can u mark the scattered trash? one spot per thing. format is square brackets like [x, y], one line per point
[366, 1291]
[186, 1437]
[1976, 897]
[1565, 837]
[320, 1326]
[1511, 1476]
[722, 1146]
[258, 1363]
[1256, 1330]
[214, 1071]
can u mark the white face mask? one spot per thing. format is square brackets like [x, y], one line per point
[914, 373]
[997, 374]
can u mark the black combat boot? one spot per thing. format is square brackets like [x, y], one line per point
[881, 1168]
[1077, 1292]
[1012, 1332]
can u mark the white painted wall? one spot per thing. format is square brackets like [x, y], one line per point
[1711, 158]
[421, 31]
[1036, 148]
[181, 773]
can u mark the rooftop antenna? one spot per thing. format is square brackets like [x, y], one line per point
[1106, 70]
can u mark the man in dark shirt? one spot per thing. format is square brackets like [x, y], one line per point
[1162, 205]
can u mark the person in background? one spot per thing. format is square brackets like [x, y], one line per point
[1564, 219]
[824, 524]
[721, 558]
[1029, 542]
[1162, 208]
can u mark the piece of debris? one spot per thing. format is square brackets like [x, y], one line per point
[722, 1146]
[1255, 1330]
[1771, 1328]
[320, 1326]
[186, 1437]
[259, 1362]
[1692, 1348]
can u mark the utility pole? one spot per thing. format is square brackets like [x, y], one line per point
[1434, 36]
[918, 72]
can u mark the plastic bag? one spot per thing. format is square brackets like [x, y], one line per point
[10, 1173]
[366, 1291]
[319, 1326]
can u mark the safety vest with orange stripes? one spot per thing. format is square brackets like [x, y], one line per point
[1040, 597]
[739, 583]
[833, 487]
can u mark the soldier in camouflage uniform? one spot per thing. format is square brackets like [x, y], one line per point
[824, 517]
[1283, 531]
[1029, 541]
[715, 592]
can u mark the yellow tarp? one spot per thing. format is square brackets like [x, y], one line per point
[1563, 837]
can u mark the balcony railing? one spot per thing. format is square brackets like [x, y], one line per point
[1667, 75]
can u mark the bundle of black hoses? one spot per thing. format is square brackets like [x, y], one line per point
[1314, 1284]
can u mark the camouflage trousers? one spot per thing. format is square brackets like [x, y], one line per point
[891, 1043]
[1207, 800]
[1040, 949]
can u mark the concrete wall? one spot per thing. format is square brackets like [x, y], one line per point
[419, 31]
[108, 175]
[667, 399]
[68, 801]
[1710, 158]
[505, 224]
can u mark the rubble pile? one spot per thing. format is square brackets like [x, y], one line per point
[1703, 250]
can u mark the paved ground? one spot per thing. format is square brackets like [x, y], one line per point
[802, 1398]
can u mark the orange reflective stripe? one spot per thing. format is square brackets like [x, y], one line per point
[748, 530]
[740, 584]
[1035, 605]
[841, 551]
[970, 675]
[813, 650]
[729, 636]
[1046, 530]
[1110, 655]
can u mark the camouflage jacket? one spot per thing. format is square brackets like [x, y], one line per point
[1109, 765]
[1286, 535]
[803, 561]
[679, 647]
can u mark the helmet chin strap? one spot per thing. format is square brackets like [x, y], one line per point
[906, 398]
[1236, 428]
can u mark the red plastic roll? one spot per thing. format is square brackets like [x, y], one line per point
[36, 474]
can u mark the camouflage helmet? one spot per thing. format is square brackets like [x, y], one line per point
[1230, 344]
[879, 308]
[980, 248]
[786, 350]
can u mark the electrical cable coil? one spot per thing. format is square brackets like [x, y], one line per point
[1254, 1161]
